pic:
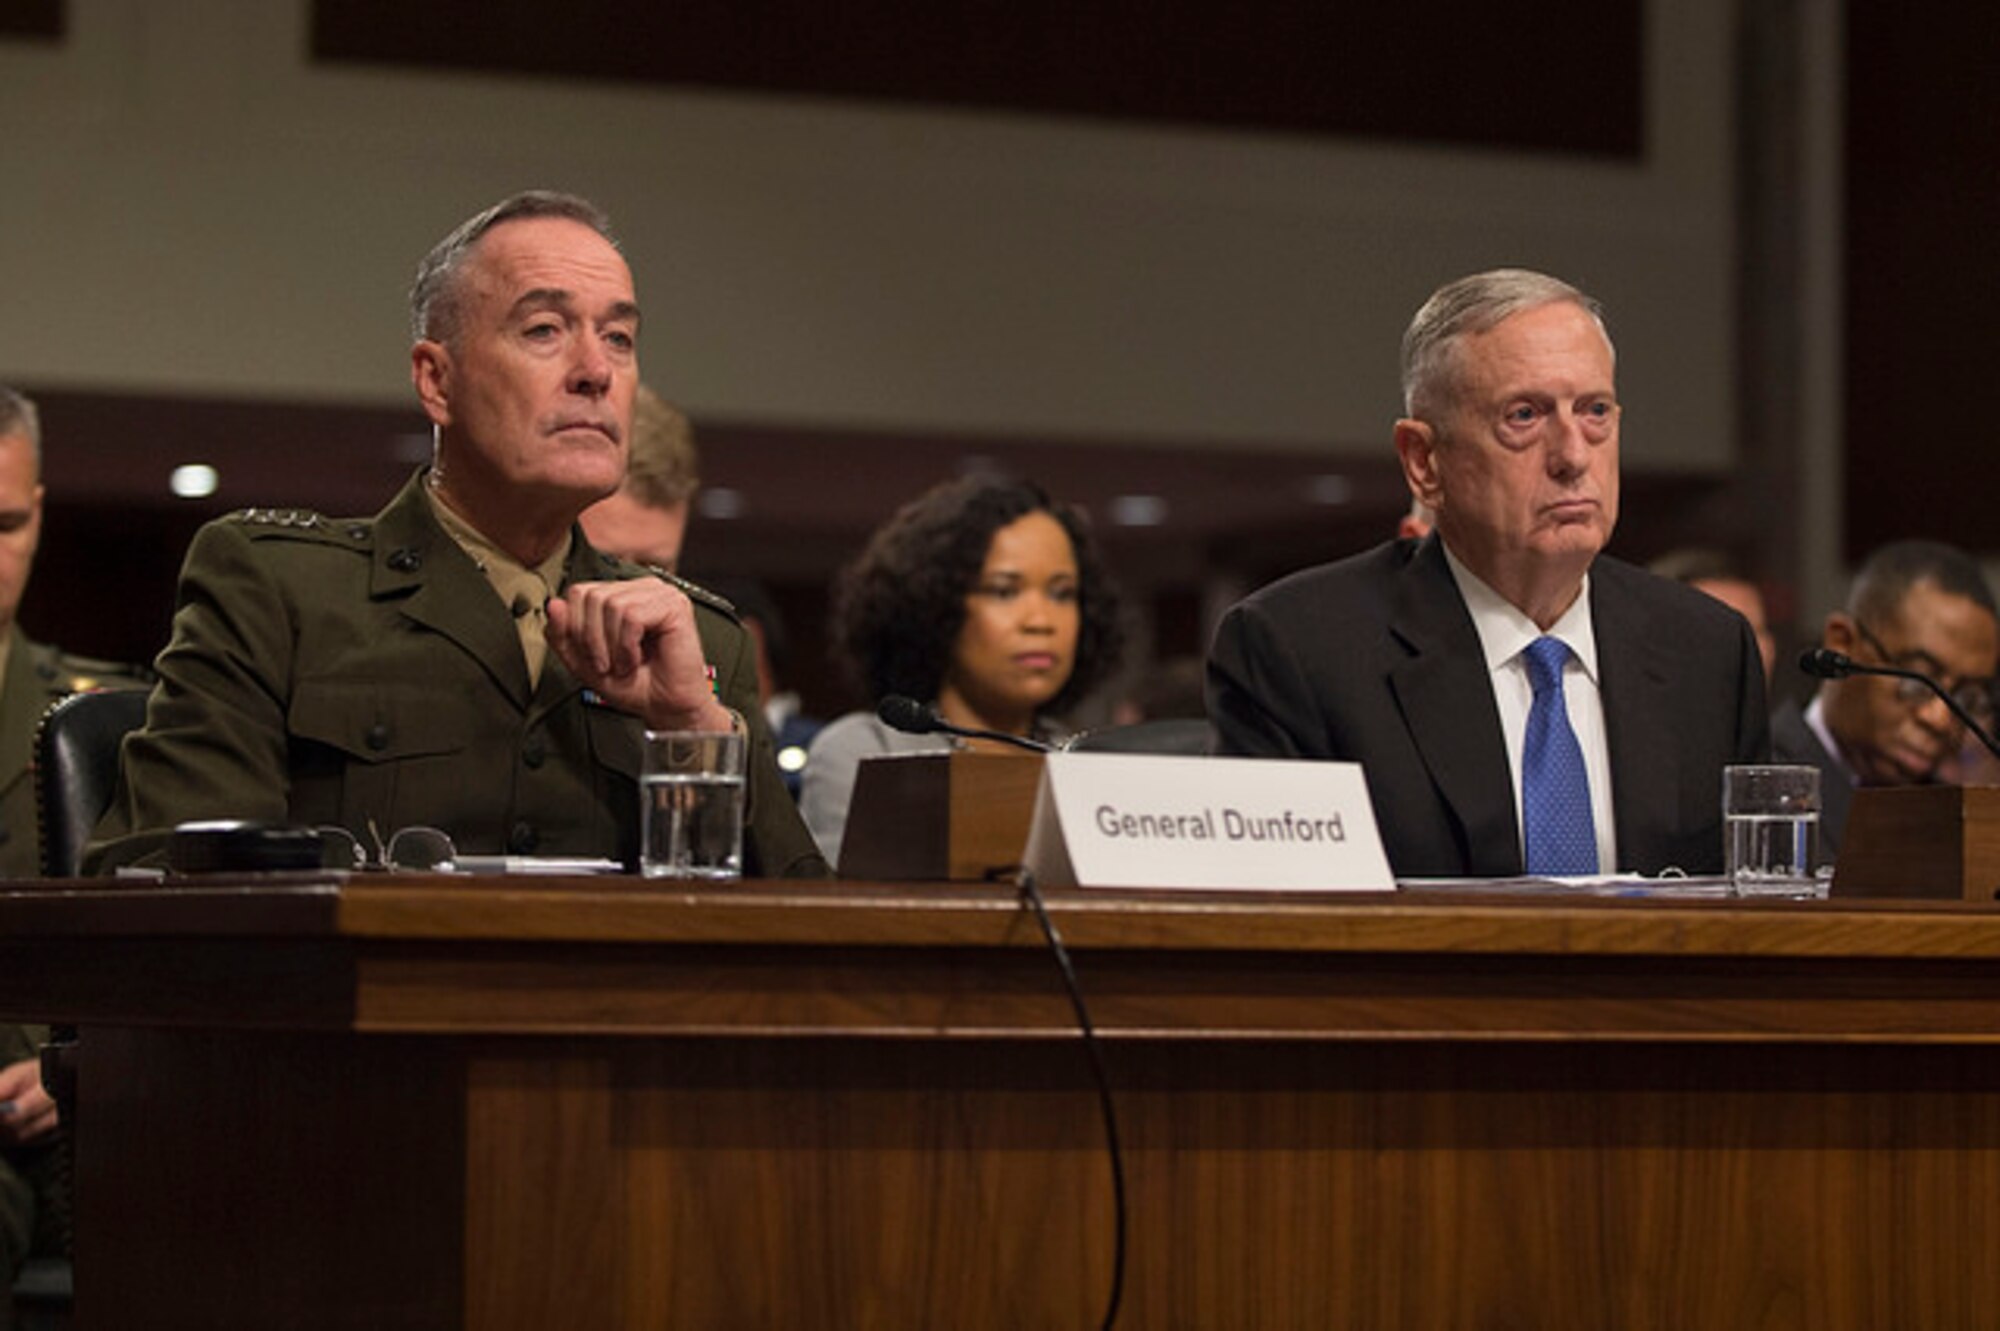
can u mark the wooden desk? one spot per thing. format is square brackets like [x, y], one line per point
[597, 1104]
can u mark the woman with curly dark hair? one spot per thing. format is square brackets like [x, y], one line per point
[983, 597]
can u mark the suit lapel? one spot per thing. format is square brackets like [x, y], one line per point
[1446, 697]
[442, 589]
[1635, 685]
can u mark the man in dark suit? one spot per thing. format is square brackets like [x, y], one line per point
[1504, 658]
[1916, 605]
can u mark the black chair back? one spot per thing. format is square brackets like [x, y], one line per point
[76, 769]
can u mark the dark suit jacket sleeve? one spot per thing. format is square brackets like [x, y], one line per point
[1753, 707]
[1683, 698]
[1373, 660]
[1260, 697]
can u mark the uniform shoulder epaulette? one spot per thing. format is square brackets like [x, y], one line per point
[82, 674]
[302, 524]
[696, 592]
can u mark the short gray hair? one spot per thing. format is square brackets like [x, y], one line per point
[18, 416]
[434, 299]
[1474, 304]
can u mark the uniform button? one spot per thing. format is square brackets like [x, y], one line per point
[523, 839]
[377, 737]
[405, 560]
[534, 753]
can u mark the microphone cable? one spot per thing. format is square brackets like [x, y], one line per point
[1032, 895]
[917, 718]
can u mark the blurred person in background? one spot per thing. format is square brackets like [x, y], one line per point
[645, 520]
[792, 731]
[1712, 572]
[1915, 605]
[1417, 523]
[982, 597]
[1169, 690]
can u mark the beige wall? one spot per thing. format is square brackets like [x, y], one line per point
[191, 207]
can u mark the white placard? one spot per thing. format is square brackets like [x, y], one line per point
[1145, 820]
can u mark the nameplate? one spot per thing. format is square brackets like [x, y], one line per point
[1145, 820]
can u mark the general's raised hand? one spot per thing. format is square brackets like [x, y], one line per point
[634, 642]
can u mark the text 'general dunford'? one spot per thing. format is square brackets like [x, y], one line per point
[1226, 824]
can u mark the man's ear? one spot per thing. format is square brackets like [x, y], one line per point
[1840, 633]
[430, 372]
[1416, 446]
[34, 527]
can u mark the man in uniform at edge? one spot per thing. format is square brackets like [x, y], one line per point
[33, 1195]
[1422, 660]
[393, 673]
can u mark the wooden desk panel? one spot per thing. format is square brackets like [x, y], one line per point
[478, 1105]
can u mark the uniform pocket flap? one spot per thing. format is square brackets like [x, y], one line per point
[375, 721]
[615, 739]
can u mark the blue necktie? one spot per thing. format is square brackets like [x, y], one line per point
[1556, 824]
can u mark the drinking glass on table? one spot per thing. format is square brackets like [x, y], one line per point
[1770, 829]
[691, 804]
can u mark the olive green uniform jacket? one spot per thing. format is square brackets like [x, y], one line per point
[37, 675]
[355, 672]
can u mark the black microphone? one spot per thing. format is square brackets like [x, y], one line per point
[1826, 663]
[915, 718]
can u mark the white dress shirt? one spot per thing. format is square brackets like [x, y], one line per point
[1504, 632]
[1816, 722]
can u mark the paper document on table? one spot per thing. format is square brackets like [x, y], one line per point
[1582, 885]
[539, 864]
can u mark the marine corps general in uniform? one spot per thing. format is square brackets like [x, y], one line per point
[465, 660]
[362, 673]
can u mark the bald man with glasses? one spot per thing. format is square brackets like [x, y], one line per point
[1915, 605]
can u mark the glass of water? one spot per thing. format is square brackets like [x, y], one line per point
[691, 804]
[1770, 830]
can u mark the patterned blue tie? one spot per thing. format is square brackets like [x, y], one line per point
[1555, 791]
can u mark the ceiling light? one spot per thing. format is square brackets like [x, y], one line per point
[1138, 510]
[194, 480]
[1329, 489]
[720, 502]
